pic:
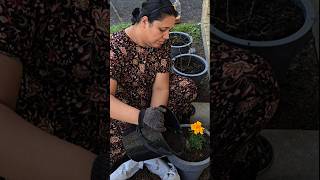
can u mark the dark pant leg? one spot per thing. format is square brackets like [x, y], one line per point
[244, 97]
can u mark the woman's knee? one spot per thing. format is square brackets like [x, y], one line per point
[183, 87]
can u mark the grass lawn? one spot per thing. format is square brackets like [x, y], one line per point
[190, 28]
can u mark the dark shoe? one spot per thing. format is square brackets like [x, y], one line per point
[264, 154]
[258, 157]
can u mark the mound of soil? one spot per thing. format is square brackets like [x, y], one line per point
[178, 40]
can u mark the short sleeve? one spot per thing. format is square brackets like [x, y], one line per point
[16, 28]
[115, 62]
[165, 59]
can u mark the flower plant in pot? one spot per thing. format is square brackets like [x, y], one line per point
[275, 29]
[195, 156]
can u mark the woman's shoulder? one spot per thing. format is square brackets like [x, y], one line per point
[120, 43]
[118, 38]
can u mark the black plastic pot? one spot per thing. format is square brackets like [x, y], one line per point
[144, 143]
[187, 58]
[182, 48]
[278, 52]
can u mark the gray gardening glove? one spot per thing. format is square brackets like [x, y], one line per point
[153, 117]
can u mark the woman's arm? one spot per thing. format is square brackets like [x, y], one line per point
[10, 77]
[26, 152]
[29, 153]
[160, 90]
[120, 110]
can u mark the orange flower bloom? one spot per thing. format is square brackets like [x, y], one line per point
[197, 128]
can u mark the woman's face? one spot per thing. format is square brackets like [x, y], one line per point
[157, 32]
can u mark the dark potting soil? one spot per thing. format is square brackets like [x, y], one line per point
[144, 174]
[178, 40]
[257, 19]
[188, 65]
[178, 144]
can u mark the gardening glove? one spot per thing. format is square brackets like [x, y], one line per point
[153, 117]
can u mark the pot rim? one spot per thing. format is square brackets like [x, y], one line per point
[307, 25]
[185, 34]
[204, 62]
[198, 163]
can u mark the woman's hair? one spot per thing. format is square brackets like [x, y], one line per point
[154, 10]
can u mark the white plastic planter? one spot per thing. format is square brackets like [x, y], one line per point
[189, 170]
[278, 52]
[197, 77]
[181, 49]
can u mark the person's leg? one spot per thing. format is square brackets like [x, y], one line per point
[244, 97]
[183, 91]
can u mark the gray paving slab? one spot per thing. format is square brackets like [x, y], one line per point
[296, 155]
[202, 113]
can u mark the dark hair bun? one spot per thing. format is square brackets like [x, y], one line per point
[135, 15]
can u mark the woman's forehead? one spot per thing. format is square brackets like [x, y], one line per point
[167, 21]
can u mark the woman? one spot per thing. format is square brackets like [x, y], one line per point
[139, 74]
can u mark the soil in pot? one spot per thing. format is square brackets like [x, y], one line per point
[179, 144]
[257, 19]
[144, 174]
[188, 65]
[178, 40]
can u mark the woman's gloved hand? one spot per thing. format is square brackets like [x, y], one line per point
[153, 117]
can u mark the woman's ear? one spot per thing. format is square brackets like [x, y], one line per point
[145, 21]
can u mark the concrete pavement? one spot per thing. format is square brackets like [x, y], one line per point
[296, 155]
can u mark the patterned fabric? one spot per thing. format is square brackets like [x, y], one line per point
[135, 68]
[63, 46]
[244, 97]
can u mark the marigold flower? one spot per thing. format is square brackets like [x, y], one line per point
[197, 128]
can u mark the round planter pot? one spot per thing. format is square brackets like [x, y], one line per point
[189, 170]
[185, 60]
[143, 143]
[278, 52]
[181, 47]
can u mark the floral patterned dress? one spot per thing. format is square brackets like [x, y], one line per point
[134, 68]
[244, 97]
[63, 47]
